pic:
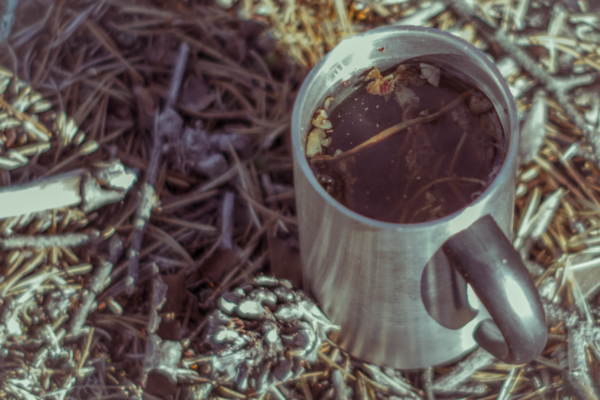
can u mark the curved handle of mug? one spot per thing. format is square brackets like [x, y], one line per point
[490, 264]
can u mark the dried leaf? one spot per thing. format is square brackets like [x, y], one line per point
[431, 73]
[327, 103]
[320, 119]
[316, 139]
[373, 74]
[380, 86]
[405, 96]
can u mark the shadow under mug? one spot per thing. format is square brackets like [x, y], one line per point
[398, 291]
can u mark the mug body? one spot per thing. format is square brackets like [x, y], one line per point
[388, 285]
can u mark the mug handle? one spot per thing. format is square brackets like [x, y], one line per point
[487, 260]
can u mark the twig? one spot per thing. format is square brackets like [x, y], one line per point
[463, 371]
[97, 283]
[559, 87]
[142, 216]
[227, 221]
[159, 297]
[391, 131]
[508, 385]
[580, 374]
[56, 192]
[428, 383]
[8, 18]
[144, 210]
[73, 239]
[177, 77]
[456, 152]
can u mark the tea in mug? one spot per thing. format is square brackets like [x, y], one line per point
[411, 144]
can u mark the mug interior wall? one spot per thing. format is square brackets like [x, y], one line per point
[347, 61]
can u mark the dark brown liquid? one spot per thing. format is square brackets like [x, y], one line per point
[411, 177]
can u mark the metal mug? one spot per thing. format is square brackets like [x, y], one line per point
[402, 293]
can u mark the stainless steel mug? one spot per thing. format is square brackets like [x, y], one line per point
[402, 293]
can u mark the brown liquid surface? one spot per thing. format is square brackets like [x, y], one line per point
[408, 178]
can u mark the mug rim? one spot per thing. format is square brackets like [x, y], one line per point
[506, 167]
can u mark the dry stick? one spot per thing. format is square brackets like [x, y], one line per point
[7, 18]
[142, 214]
[559, 87]
[178, 71]
[427, 378]
[226, 241]
[463, 370]
[391, 131]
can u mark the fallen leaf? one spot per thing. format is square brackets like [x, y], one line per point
[431, 73]
[380, 86]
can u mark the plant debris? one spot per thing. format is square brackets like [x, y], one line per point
[98, 105]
